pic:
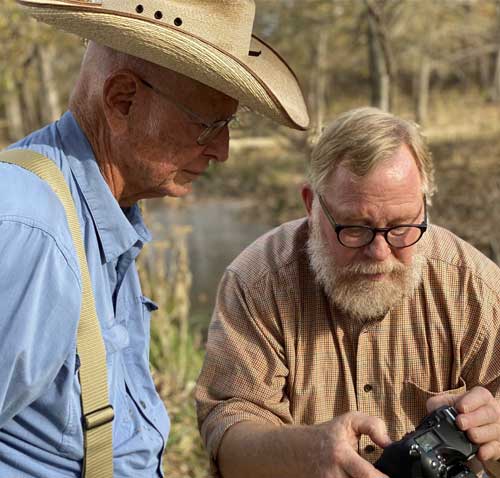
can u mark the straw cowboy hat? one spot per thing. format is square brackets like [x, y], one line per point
[208, 40]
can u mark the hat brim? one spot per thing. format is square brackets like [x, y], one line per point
[262, 81]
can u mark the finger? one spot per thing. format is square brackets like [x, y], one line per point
[473, 399]
[489, 451]
[441, 400]
[475, 465]
[485, 415]
[374, 427]
[357, 467]
[484, 434]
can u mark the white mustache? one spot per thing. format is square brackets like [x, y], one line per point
[363, 268]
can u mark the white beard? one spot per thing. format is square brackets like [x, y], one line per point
[362, 299]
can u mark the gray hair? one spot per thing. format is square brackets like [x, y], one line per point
[364, 137]
[98, 63]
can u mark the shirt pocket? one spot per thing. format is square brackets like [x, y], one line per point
[414, 399]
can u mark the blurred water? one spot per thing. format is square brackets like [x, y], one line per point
[221, 230]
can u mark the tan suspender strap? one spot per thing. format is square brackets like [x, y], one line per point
[97, 412]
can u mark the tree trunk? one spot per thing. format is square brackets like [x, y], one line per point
[321, 77]
[483, 71]
[13, 108]
[31, 110]
[495, 88]
[319, 83]
[380, 62]
[51, 109]
[423, 91]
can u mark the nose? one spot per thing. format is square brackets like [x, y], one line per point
[378, 250]
[218, 148]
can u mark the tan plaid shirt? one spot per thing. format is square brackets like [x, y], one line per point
[279, 352]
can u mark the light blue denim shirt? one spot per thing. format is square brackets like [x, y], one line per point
[40, 295]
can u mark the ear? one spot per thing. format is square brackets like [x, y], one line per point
[119, 93]
[307, 197]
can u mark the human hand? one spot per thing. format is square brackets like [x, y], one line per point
[478, 415]
[342, 436]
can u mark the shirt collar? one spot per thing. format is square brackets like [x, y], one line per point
[118, 230]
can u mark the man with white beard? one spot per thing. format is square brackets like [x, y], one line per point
[335, 334]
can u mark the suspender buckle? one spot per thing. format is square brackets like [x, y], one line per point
[98, 417]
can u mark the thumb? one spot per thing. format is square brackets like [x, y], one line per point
[380, 437]
[375, 428]
[440, 400]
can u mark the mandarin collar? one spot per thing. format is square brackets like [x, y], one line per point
[118, 229]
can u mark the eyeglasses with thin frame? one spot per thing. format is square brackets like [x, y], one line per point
[355, 236]
[211, 130]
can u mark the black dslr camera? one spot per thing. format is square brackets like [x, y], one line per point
[436, 449]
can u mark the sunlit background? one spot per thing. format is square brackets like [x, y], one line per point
[436, 62]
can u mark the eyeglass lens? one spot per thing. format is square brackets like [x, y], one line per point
[402, 236]
[209, 133]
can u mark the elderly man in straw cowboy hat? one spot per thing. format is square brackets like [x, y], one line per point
[159, 84]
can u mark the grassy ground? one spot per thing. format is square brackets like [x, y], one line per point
[176, 347]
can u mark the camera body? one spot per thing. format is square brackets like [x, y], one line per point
[436, 449]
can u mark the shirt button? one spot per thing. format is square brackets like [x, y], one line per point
[367, 388]
[369, 448]
[143, 404]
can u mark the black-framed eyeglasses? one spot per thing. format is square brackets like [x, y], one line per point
[354, 236]
[211, 129]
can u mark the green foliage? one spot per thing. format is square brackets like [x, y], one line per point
[22, 84]
[176, 351]
[19, 36]
[185, 456]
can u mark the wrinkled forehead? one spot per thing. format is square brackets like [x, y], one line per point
[399, 173]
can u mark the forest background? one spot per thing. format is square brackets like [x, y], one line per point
[436, 62]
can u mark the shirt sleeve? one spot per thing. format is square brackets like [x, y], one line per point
[482, 363]
[40, 295]
[482, 338]
[245, 370]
